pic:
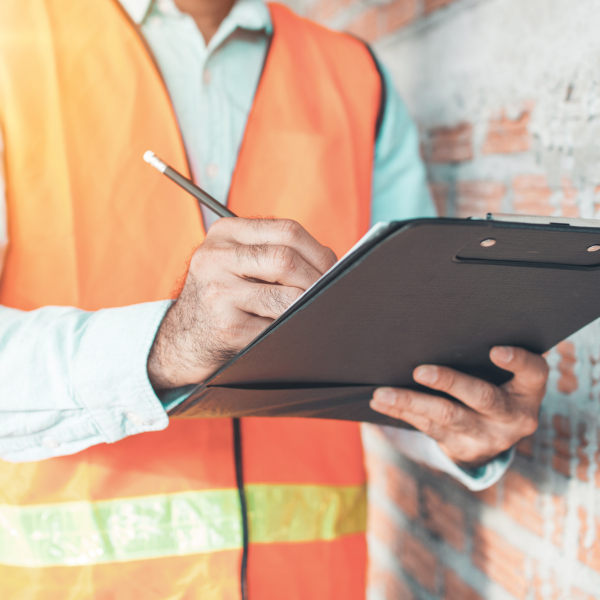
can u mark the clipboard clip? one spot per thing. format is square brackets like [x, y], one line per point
[537, 220]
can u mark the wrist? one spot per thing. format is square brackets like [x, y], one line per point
[169, 364]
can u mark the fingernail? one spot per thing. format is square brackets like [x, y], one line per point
[385, 396]
[503, 354]
[426, 374]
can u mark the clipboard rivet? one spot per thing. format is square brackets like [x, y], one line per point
[488, 243]
[594, 248]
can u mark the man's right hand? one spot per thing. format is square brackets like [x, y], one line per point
[244, 275]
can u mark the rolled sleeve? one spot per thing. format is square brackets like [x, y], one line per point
[110, 374]
[73, 379]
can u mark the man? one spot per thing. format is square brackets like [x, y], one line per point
[96, 243]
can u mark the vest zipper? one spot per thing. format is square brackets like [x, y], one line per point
[239, 477]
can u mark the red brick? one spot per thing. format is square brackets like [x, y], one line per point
[588, 556]
[545, 588]
[561, 461]
[559, 505]
[583, 461]
[506, 136]
[532, 195]
[403, 490]
[431, 5]
[522, 502]
[489, 495]
[388, 584]
[477, 198]
[500, 561]
[451, 144]
[419, 562]
[397, 14]
[456, 589]
[383, 528]
[525, 446]
[376, 470]
[439, 193]
[567, 384]
[366, 25]
[444, 519]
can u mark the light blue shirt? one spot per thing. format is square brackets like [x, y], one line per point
[71, 379]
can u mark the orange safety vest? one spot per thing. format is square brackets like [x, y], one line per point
[157, 515]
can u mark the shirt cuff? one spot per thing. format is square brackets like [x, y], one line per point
[423, 449]
[110, 376]
[175, 396]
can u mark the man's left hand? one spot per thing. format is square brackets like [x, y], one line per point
[488, 419]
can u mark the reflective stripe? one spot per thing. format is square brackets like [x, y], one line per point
[81, 533]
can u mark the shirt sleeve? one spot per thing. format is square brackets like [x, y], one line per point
[400, 188]
[400, 192]
[72, 379]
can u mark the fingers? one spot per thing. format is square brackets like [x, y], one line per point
[277, 232]
[480, 395]
[431, 414]
[530, 370]
[264, 300]
[276, 264]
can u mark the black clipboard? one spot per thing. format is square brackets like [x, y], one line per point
[425, 291]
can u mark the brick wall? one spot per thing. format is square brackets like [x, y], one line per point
[506, 94]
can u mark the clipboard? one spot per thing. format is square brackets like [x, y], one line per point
[424, 291]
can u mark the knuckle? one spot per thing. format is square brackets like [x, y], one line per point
[488, 397]
[426, 426]
[530, 424]
[420, 422]
[448, 414]
[283, 259]
[327, 258]
[198, 258]
[290, 230]
[405, 400]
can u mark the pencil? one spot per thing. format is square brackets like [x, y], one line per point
[198, 193]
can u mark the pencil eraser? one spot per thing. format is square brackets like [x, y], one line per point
[153, 160]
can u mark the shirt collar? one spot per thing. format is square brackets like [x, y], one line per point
[137, 9]
[245, 14]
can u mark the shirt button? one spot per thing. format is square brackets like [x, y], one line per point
[134, 418]
[51, 442]
[206, 76]
[212, 170]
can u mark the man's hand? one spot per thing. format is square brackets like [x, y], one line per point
[487, 420]
[244, 275]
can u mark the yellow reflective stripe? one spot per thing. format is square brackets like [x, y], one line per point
[82, 533]
[305, 513]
